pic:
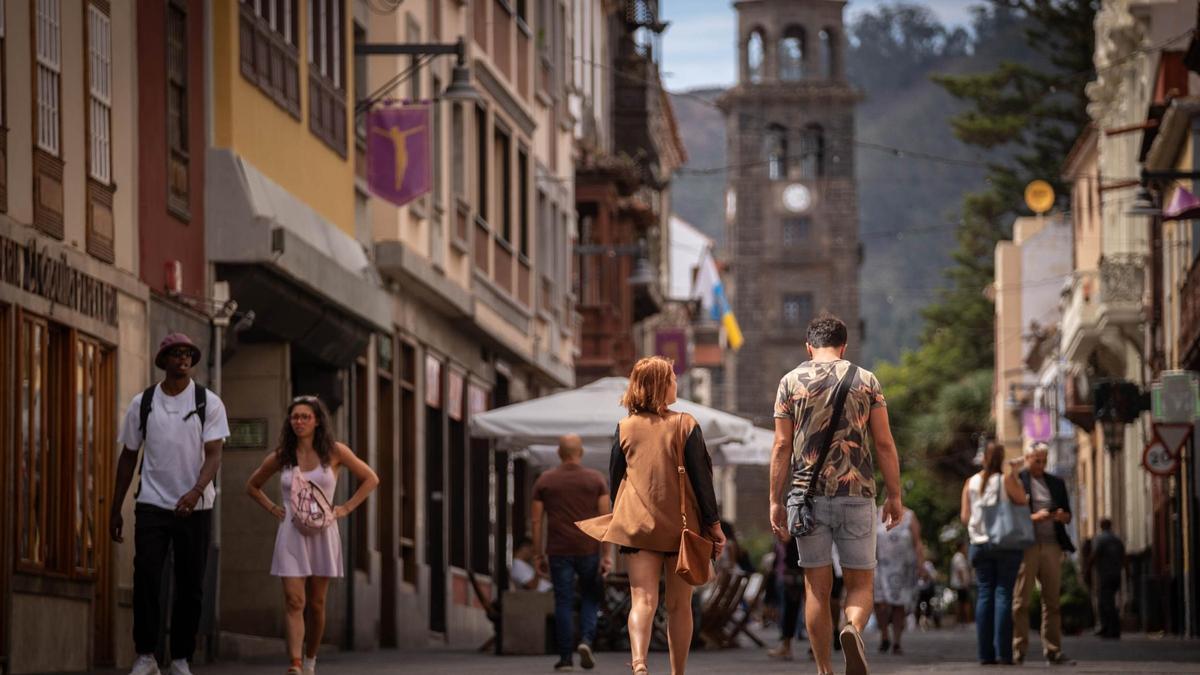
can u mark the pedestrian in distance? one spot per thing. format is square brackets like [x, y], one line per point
[561, 496]
[650, 488]
[901, 557]
[995, 567]
[1108, 563]
[1043, 562]
[790, 579]
[524, 575]
[960, 582]
[308, 548]
[180, 427]
[824, 409]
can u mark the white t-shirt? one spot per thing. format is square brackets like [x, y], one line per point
[522, 573]
[978, 496]
[960, 571]
[174, 452]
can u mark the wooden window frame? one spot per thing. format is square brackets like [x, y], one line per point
[327, 91]
[179, 194]
[98, 146]
[48, 199]
[410, 408]
[3, 110]
[270, 58]
[63, 514]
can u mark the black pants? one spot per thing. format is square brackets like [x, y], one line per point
[1110, 617]
[792, 607]
[155, 530]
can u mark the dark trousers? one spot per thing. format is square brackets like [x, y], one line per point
[564, 569]
[792, 607]
[156, 530]
[1110, 617]
[996, 573]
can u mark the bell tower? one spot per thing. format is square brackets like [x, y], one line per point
[791, 202]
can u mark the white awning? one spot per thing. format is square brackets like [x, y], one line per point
[592, 412]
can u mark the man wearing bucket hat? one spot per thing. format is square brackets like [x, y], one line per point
[182, 426]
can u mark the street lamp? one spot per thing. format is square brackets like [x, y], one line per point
[459, 89]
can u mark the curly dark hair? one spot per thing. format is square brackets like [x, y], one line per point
[826, 331]
[322, 437]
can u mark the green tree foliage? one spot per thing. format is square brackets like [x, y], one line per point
[1029, 112]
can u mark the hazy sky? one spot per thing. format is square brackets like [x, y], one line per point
[698, 48]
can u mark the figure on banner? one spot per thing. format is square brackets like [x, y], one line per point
[399, 139]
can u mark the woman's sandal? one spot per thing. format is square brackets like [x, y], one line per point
[639, 667]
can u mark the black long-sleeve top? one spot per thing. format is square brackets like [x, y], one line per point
[699, 472]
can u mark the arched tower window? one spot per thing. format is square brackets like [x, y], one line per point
[777, 152]
[791, 54]
[755, 56]
[830, 67]
[812, 152]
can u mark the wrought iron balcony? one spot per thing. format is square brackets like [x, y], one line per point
[1122, 287]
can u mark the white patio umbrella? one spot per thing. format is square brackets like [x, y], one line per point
[592, 411]
[754, 450]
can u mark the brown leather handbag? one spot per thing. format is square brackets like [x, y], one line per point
[694, 564]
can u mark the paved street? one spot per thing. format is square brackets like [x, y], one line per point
[947, 651]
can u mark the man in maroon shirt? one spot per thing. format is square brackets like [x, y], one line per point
[565, 494]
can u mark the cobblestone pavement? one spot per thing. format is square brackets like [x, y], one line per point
[944, 651]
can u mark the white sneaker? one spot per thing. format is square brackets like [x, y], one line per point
[145, 665]
[180, 667]
[308, 666]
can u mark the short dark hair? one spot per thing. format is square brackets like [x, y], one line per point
[826, 331]
[523, 541]
[1106, 523]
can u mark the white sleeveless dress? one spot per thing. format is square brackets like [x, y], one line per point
[304, 555]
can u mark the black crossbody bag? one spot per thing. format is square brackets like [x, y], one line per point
[801, 519]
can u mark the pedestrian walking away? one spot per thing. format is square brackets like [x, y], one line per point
[562, 496]
[660, 466]
[180, 426]
[824, 409]
[308, 546]
[1051, 507]
[960, 583]
[901, 556]
[995, 567]
[1108, 562]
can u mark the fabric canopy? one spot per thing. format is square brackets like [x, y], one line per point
[755, 450]
[592, 412]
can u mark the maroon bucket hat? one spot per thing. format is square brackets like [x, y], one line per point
[175, 340]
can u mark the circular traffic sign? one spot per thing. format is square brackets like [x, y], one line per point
[1158, 460]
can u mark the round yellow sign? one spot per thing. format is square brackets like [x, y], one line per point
[1039, 196]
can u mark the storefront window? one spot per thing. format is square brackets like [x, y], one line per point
[65, 426]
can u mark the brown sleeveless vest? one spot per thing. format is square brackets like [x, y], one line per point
[646, 512]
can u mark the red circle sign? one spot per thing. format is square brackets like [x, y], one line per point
[1158, 459]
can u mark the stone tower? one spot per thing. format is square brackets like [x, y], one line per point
[791, 204]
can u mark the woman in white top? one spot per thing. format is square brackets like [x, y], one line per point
[995, 569]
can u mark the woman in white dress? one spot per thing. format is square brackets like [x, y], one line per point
[901, 558]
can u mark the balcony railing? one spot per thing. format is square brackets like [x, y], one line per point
[1079, 316]
[1122, 286]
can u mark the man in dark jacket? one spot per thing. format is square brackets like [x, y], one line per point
[1051, 507]
[1108, 562]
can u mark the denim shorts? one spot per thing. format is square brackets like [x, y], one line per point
[848, 522]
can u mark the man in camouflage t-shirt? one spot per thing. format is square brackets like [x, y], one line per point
[844, 493]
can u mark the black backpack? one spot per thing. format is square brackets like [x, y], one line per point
[144, 414]
[148, 402]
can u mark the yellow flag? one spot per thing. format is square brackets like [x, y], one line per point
[732, 331]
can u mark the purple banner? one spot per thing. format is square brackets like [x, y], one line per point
[398, 153]
[1037, 425]
[673, 344]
